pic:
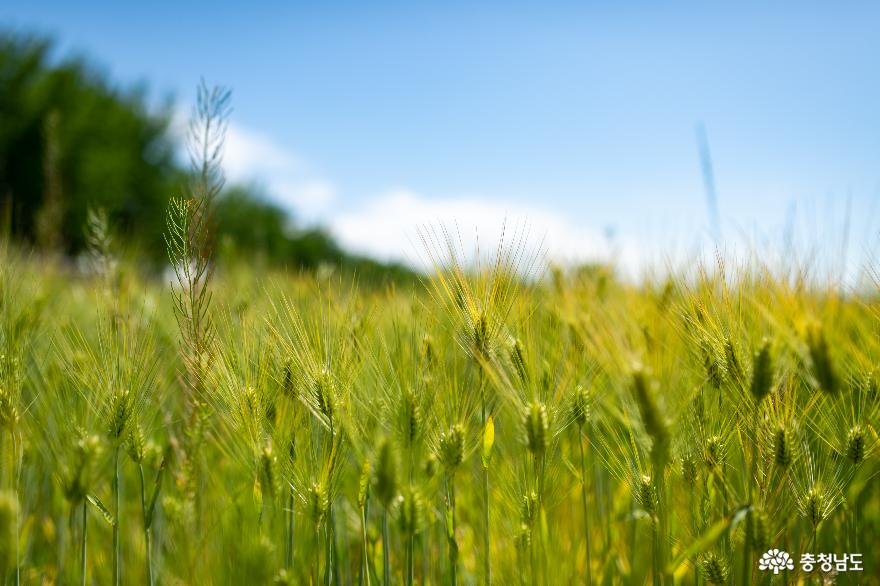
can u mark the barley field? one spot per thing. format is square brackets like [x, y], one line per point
[499, 421]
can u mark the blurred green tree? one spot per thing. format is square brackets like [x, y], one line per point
[68, 140]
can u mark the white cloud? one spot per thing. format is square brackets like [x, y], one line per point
[252, 156]
[249, 154]
[387, 226]
[307, 198]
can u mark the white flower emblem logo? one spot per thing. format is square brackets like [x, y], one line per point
[775, 560]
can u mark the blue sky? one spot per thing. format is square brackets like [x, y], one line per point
[371, 118]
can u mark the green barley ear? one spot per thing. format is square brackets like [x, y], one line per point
[714, 452]
[517, 357]
[364, 485]
[267, 469]
[325, 394]
[451, 448]
[733, 363]
[136, 443]
[820, 354]
[712, 363]
[412, 417]
[319, 502]
[412, 512]
[537, 428]
[386, 473]
[814, 506]
[868, 389]
[782, 446]
[251, 402]
[430, 466]
[287, 383]
[652, 419]
[759, 531]
[480, 335]
[855, 444]
[689, 470]
[120, 412]
[762, 372]
[646, 494]
[714, 568]
[582, 406]
[8, 412]
[429, 353]
[291, 450]
[8, 531]
[529, 508]
[523, 538]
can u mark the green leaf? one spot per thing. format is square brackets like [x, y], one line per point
[708, 538]
[105, 512]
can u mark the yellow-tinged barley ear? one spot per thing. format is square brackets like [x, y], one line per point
[488, 441]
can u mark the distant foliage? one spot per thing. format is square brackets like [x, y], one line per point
[71, 140]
